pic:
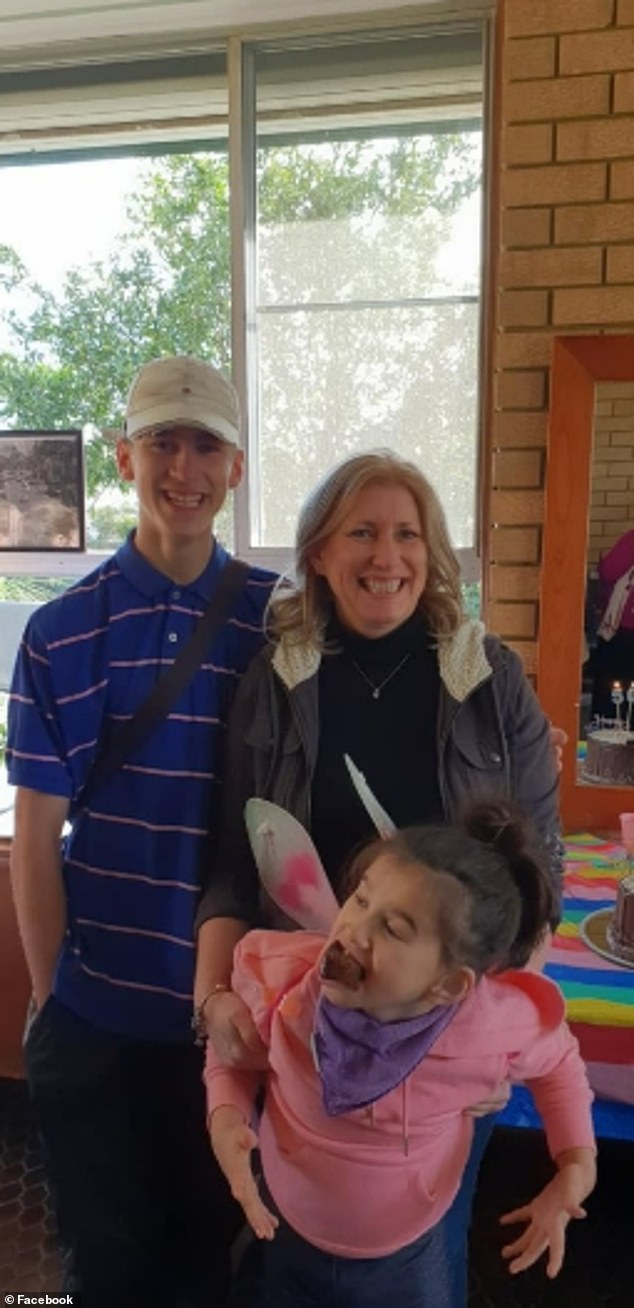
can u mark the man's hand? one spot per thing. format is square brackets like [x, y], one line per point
[548, 1215]
[232, 1142]
[37, 884]
[232, 1032]
[498, 1100]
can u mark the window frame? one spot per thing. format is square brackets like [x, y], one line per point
[241, 56]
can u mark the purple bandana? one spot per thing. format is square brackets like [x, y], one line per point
[360, 1059]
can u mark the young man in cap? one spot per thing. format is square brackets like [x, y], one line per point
[106, 916]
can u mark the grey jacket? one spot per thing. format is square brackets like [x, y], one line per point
[493, 742]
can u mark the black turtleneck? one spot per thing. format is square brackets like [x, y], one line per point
[392, 738]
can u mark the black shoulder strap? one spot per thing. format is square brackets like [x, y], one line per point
[127, 738]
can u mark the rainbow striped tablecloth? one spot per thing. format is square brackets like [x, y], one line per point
[599, 994]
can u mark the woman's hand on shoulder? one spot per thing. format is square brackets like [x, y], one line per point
[558, 738]
[233, 1034]
[497, 1101]
[539, 956]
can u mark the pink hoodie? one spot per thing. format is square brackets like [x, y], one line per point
[373, 1180]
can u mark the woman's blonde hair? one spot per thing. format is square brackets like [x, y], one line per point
[300, 607]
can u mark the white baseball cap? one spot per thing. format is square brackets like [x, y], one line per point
[182, 391]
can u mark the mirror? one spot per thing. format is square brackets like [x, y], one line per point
[606, 716]
[586, 661]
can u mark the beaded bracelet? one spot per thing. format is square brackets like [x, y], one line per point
[198, 1024]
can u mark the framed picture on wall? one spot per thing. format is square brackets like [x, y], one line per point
[42, 494]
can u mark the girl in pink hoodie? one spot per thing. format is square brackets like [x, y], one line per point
[379, 1037]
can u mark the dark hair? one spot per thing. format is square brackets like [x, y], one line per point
[493, 894]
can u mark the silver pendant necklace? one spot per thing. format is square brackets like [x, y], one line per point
[376, 690]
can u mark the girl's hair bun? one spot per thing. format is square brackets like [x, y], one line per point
[500, 825]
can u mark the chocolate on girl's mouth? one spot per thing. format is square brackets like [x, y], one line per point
[340, 966]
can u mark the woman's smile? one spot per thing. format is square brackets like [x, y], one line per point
[375, 562]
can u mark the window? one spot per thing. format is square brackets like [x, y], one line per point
[365, 265]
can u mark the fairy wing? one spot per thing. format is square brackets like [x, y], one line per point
[289, 866]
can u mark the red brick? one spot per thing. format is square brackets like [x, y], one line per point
[524, 308]
[614, 424]
[518, 469]
[557, 97]
[596, 51]
[523, 349]
[531, 144]
[623, 93]
[550, 267]
[608, 138]
[600, 305]
[620, 263]
[587, 223]
[521, 389]
[517, 429]
[526, 227]
[517, 508]
[625, 13]
[554, 184]
[622, 181]
[514, 620]
[515, 544]
[526, 17]
[519, 583]
[532, 57]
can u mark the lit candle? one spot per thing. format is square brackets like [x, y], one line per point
[629, 695]
[617, 698]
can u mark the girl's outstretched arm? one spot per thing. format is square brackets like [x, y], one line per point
[232, 1142]
[550, 1211]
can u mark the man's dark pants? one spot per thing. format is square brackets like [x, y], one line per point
[139, 1193]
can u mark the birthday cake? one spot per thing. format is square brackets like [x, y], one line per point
[610, 756]
[620, 931]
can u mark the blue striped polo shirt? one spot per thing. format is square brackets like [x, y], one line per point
[133, 860]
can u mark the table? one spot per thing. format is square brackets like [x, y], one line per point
[599, 994]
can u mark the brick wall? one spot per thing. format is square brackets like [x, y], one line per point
[564, 209]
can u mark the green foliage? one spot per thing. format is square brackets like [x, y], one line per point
[35, 590]
[109, 524]
[12, 270]
[403, 175]
[472, 598]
